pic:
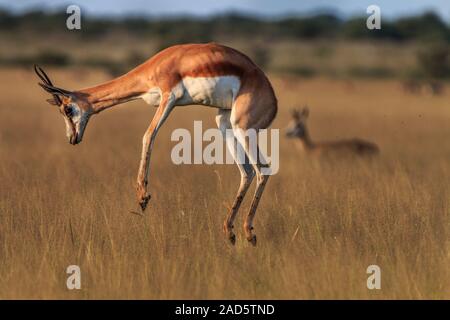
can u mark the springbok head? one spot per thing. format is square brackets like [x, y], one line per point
[297, 127]
[73, 106]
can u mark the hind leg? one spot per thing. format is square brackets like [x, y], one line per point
[257, 160]
[261, 181]
[258, 163]
[245, 169]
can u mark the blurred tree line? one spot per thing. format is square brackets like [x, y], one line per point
[428, 26]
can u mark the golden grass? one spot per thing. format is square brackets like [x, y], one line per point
[319, 224]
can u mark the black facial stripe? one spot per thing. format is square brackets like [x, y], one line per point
[74, 131]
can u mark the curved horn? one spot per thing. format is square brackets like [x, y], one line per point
[42, 75]
[54, 90]
[47, 85]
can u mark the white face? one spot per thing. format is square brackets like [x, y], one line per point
[296, 128]
[76, 120]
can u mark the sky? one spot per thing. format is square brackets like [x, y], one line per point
[345, 8]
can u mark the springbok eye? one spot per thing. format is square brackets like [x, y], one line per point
[68, 111]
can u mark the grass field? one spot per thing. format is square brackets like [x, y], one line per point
[320, 224]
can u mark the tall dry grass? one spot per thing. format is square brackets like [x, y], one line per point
[319, 225]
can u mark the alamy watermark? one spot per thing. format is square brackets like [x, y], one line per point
[374, 280]
[73, 22]
[374, 20]
[190, 150]
[74, 279]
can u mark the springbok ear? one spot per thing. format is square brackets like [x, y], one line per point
[53, 102]
[295, 113]
[305, 112]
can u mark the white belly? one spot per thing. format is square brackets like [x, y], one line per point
[211, 91]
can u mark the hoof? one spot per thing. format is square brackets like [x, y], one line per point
[232, 238]
[252, 240]
[228, 230]
[143, 203]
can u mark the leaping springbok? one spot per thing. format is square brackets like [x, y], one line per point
[298, 129]
[193, 74]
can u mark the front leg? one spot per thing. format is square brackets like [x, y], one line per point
[160, 116]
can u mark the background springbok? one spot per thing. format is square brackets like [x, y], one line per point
[202, 74]
[298, 129]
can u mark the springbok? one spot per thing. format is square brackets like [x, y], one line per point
[298, 129]
[192, 74]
